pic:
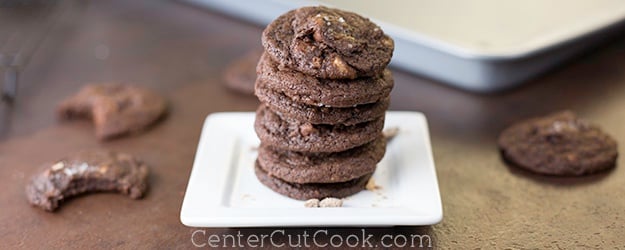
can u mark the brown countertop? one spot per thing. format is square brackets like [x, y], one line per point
[181, 52]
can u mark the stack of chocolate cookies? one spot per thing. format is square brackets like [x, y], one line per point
[324, 90]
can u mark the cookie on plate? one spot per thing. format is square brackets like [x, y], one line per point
[289, 109]
[311, 190]
[558, 144]
[300, 167]
[328, 43]
[314, 138]
[305, 89]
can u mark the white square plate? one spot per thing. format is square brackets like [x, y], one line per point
[223, 190]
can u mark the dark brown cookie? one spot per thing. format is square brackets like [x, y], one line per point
[87, 172]
[317, 92]
[240, 75]
[115, 109]
[328, 43]
[311, 190]
[287, 108]
[314, 138]
[558, 144]
[299, 167]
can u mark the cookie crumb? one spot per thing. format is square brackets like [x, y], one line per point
[306, 129]
[331, 202]
[58, 166]
[390, 133]
[312, 203]
[371, 186]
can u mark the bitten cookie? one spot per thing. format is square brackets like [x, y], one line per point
[301, 88]
[87, 172]
[291, 110]
[298, 167]
[328, 43]
[311, 190]
[115, 109]
[314, 138]
[240, 75]
[558, 144]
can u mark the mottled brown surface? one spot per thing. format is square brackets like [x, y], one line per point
[328, 43]
[115, 109]
[308, 191]
[181, 52]
[314, 91]
[296, 111]
[303, 167]
[314, 138]
[558, 144]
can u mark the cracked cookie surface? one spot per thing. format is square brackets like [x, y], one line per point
[328, 43]
[305, 89]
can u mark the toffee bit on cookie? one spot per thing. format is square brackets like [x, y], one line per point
[331, 202]
[306, 129]
[311, 203]
[390, 133]
[371, 185]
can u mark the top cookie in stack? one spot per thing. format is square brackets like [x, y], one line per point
[324, 89]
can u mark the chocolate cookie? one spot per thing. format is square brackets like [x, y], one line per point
[314, 138]
[87, 172]
[287, 108]
[240, 75]
[311, 190]
[115, 109]
[299, 167]
[558, 144]
[301, 88]
[328, 43]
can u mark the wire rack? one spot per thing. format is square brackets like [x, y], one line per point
[24, 24]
